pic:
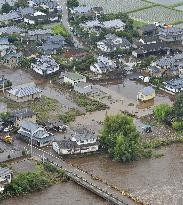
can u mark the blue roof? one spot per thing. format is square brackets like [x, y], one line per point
[148, 90]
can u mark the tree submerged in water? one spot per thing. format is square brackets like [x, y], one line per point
[121, 139]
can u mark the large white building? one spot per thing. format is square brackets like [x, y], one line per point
[80, 142]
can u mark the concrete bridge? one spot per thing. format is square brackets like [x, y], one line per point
[85, 179]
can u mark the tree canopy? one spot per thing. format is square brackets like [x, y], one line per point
[162, 111]
[121, 139]
[178, 106]
[6, 8]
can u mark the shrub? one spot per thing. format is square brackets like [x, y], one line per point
[162, 111]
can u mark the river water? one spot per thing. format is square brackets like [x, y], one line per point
[156, 181]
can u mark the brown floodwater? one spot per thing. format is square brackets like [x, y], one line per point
[61, 194]
[156, 181]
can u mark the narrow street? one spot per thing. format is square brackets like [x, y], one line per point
[65, 22]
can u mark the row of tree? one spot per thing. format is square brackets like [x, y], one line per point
[172, 115]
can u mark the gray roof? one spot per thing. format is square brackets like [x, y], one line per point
[74, 76]
[23, 113]
[175, 83]
[25, 11]
[148, 90]
[148, 28]
[84, 134]
[11, 30]
[81, 9]
[5, 171]
[24, 90]
[39, 32]
[4, 41]
[171, 31]
[116, 23]
[38, 132]
[10, 16]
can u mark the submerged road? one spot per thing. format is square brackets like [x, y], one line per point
[85, 179]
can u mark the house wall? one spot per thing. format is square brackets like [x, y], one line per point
[29, 21]
[146, 97]
[5, 177]
[23, 99]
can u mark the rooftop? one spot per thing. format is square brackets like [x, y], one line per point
[24, 90]
[148, 90]
[73, 76]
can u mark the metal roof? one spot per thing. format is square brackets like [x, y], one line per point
[148, 90]
[24, 90]
[5, 171]
[74, 76]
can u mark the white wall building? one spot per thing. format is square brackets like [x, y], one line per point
[73, 78]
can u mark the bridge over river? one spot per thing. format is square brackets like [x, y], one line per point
[86, 180]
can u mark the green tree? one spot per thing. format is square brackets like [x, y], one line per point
[60, 30]
[121, 139]
[178, 106]
[6, 8]
[162, 111]
[72, 3]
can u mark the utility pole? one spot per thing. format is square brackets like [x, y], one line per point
[31, 143]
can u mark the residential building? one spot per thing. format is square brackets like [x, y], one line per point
[11, 30]
[10, 2]
[39, 18]
[25, 11]
[81, 142]
[51, 5]
[45, 65]
[73, 78]
[150, 29]
[103, 65]
[171, 34]
[112, 43]
[52, 45]
[3, 108]
[40, 137]
[147, 93]
[83, 88]
[19, 116]
[149, 39]
[154, 71]
[96, 25]
[23, 93]
[174, 85]
[115, 24]
[79, 10]
[4, 41]
[5, 177]
[170, 65]
[37, 35]
[11, 16]
[151, 49]
[9, 54]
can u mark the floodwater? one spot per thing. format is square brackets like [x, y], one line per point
[129, 89]
[61, 194]
[156, 181]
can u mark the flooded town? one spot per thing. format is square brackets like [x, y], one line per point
[91, 102]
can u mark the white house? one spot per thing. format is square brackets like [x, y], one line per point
[5, 177]
[81, 142]
[103, 65]
[45, 65]
[174, 85]
[73, 78]
[39, 135]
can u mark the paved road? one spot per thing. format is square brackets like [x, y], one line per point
[85, 179]
[65, 21]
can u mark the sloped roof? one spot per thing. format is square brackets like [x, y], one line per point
[24, 90]
[148, 90]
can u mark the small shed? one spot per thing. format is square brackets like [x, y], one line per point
[147, 93]
[73, 78]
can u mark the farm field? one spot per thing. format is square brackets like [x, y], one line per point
[167, 2]
[158, 14]
[115, 6]
[142, 10]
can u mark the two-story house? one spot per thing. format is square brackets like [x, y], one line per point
[45, 65]
[31, 131]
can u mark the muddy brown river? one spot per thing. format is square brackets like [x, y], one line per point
[156, 181]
